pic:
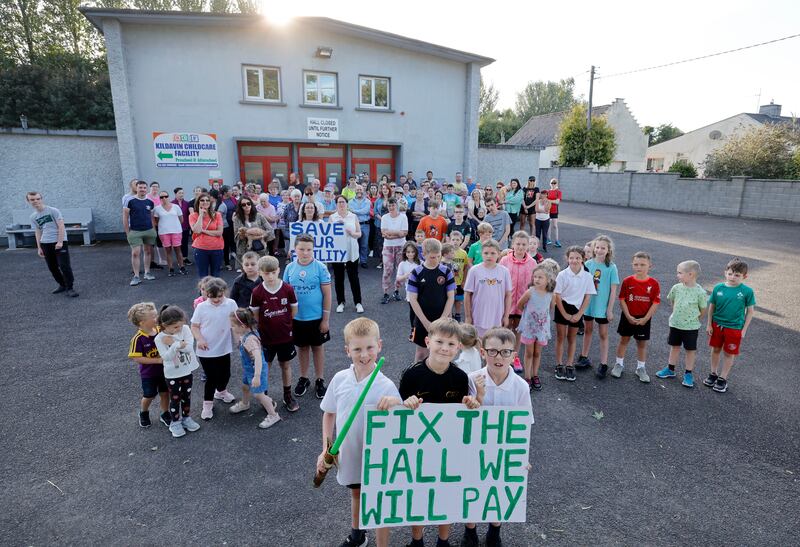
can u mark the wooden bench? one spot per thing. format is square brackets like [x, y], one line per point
[76, 221]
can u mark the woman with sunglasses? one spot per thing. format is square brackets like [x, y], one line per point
[252, 231]
[168, 219]
[207, 242]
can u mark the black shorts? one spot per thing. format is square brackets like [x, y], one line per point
[153, 386]
[306, 333]
[354, 486]
[598, 320]
[514, 316]
[553, 215]
[284, 352]
[459, 290]
[419, 334]
[639, 332]
[685, 338]
[571, 310]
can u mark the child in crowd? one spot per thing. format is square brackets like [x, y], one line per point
[436, 379]
[502, 388]
[254, 367]
[520, 264]
[311, 328]
[201, 288]
[730, 310]
[249, 279]
[689, 302]
[487, 291]
[419, 238]
[475, 253]
[143, 351]
[431, 290]
[534, 246]
[274, 304]
[551, 266]
[362, 339]
[639, 297]
[460, 269]
[588, 254]
[175, 344]
[534, 328]
[601, 306]
[211, 327]
[469, 360]
[574, 287]
[433, 224]
[448, 250]
[409, 263]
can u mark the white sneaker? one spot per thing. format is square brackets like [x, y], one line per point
[189, 424]
[208, 410]
[135, 281]
[371, 254]
[225, 396]
[239, 407]
[642, 374]
[148, 276]
[269, 421]
[340, 308]
[176, 429]
[359, 308]
[616, 372]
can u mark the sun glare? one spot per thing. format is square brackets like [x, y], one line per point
[276, 13]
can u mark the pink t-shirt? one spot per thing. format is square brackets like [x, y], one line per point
[488, 288]
[521, 272]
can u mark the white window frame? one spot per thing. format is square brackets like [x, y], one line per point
[260, 98]
[372, 105]
[318, 102]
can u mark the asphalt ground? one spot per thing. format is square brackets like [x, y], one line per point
[664, 466]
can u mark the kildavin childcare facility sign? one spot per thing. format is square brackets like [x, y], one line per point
[185, 149]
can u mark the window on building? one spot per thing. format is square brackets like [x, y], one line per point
[320, 88]
[262, 83]
[655, 164]
[373, 92]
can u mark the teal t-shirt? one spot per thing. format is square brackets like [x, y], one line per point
[476, 253]
[730, 304]
[604, 276]
[306, 282]
[687, 304]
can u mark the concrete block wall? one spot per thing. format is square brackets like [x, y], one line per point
[71, 169]
[771, 199]
[504, 162]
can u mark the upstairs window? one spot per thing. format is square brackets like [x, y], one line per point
[262, 83]
[320, 88]
[373, 92]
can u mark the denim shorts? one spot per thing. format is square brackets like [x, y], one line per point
[153, 386]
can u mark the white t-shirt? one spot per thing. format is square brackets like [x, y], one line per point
[573, 287]
[215, 326]
[400, 222]
[513, 391]
[469, 360]
[340, 399]
[406, 268]
[169, 222]
[350, 222]
[178, 362]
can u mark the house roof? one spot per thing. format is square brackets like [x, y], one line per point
[542, 130]
[96, 16]
[765, 118]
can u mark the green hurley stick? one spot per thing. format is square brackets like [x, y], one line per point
[333, 450]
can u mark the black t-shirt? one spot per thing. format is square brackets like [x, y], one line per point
[140, 214]
[243, 289]
[465, 228]
[431, 287]
[449, 387]
[530, 196]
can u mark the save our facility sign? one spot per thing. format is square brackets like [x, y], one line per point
[326, 129]
[330, 240]
[444, 463]
[185, 149]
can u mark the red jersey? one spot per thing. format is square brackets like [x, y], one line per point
[551, 195]
[639, 295]
[274, 313]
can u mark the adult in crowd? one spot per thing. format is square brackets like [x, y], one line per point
[418, 211]
[394, 228]
[51, 243]
[500, 194]
[461, 224]
[410, 179]
[309, 213]
[137, 222]
[309, 195]
[542, 218]
[513, 201]
[470, 185]
[158, 255]
[266, 209]
[195, 194]
[328, 202]
[379, 209]
[474, 202]
[186, 231]
[488, 195]
[349, 191]
[362, 207]
[459, 184]
[429, 179]
[207, 242]
[280, 230]
[131, 191]
[252, 231]
[167, 217]
[501, 224]
[295, 182]
[291, 212]
[226, 207]
[527, 215]
[352, 229]
[554, 195]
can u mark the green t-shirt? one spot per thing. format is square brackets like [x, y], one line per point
[687, 304]
[730, 304]
[476, 253]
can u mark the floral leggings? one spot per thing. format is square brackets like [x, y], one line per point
[180, 396]
[392, 257]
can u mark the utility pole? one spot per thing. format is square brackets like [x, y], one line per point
[591, 89]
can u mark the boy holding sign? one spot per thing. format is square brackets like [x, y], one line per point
[362, 339]
[502, 388]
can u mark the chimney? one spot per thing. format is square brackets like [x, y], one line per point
[772, 110]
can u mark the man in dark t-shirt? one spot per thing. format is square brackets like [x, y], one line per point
[137, 221]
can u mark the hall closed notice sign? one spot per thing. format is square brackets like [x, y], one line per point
[326, 129]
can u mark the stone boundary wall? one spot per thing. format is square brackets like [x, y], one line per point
[504, 162]
[739, 197]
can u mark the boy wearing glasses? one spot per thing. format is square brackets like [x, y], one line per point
[168, 219]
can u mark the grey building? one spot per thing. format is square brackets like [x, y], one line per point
[201, 96]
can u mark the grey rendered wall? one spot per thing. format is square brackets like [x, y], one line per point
[70, 168]
[739, 197]
[496, 162]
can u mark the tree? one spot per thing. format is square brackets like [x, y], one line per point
[21, 31]
[663, 132]
[496, 126]
[488, 98]
[580, 147]
[768, 151]
[544, 98]
[686, 169]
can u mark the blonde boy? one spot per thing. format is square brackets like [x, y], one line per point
[143, 351]
[460, 268]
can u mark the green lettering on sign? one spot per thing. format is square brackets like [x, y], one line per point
[444, 477]
[383, 465]
[374, 513]
[372, 416]
[410, 517]
[401, 465]
[467, 499]
[486, 426]
[420, 477]
[492, 504]
[489, 466]
[393, 518]
[467, 416]
[508, 464]
[430, 427]
[512, 414]
[431, 499]
[513, 499]
[402, 438]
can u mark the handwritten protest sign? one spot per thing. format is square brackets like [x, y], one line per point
[444, 463]
[330, 240]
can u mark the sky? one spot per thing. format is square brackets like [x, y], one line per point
[536, 40]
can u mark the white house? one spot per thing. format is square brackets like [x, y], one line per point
[631, 141]
[696, 145]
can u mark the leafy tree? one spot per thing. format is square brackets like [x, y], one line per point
[686, 169]
[247, 6]
[579, 146]
[768, 151]
[488, 98]
[663, 132]
[22, 30]
[219, 6]
[545, 97]
[496, 126]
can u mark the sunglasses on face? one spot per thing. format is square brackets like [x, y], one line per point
[205, 200]
[164, 197]
[247, 204]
